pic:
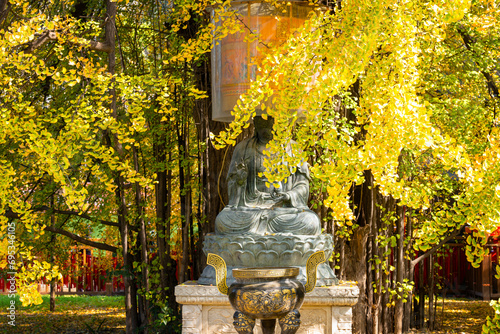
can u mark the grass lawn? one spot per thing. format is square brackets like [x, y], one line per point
[74, 314]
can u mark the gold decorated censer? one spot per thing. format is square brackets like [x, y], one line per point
[267, 293]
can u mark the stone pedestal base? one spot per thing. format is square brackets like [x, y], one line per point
[326, 310]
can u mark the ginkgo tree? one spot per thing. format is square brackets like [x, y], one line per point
[395, 105]
[101, 127]
[104, 107]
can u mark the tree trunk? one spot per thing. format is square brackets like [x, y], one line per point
[387, 312]
[128, 279]
[370, 291]
[421, 296]
[400, 270]
[185, 187]
[52, 295]
[52, 260]
[171, 264]
[431, 292]
[375, 303]
[408, 316]
[4, 9]
[200, 220]
[168, 279]
[341, 263]
[355, 268]
[145, 317]
[192, 244]
[130, 289]
[357, 252]
[131, 315]
[161, 215]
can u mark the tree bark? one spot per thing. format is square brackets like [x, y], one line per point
[357, 253]
[185, 187]
[421, 296]
[4, 9]
[52, 261]
[431, 293]
[143, 244]
[375, 303]
[408, 316]
[490, 81]
[161, 214]
[399, 310]
[95, 244]
[342, 266]
[387, 280]
[168, 279]
[52, 295]
[128, 278]
[355, 267]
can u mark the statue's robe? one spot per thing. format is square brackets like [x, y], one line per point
[252, 210]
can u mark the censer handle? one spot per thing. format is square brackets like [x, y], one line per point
[220, 272]
[312, 264]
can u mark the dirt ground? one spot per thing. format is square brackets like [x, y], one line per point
[460, 316]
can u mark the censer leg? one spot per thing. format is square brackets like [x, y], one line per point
[242, 323]
[268, 326]
[290, 323]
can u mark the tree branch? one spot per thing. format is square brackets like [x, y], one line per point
[433, 249]
[98, 46]
[82, 215]
[13, 215]
[4, 9]
[49, 35]
[95, 244]
[469, 41]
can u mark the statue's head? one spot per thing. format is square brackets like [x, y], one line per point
[263, 128]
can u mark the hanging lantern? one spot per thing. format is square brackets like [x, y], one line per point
[234, 57]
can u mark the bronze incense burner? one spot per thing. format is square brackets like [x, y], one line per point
[267, 293]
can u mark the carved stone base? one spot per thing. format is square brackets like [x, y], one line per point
[268, 251]
[326, 310]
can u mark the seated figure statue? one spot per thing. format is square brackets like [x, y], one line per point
[256, 208]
